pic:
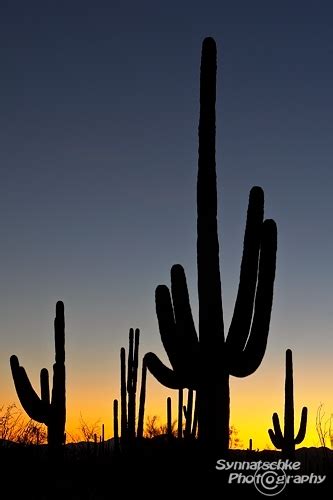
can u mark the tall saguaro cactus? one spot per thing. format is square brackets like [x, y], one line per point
[205, 361]
[52, 412]
[287, 441]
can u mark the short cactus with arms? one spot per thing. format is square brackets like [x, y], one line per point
[52, 412]
[287, 441]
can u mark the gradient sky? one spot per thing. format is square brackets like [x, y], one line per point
[98, 161]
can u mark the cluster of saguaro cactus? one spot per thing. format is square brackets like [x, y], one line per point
[51, 412]
[204, 362]
[191, 416]
[128, 389]
[287, 441]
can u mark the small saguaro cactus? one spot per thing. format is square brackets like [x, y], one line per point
[287, 441]
[52, 412]
[191, 417]
[204, 361]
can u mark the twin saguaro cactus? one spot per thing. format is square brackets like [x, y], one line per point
[204, 362]
[287, 441]
[52, 412]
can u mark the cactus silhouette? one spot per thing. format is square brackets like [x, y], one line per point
[190, 416]
[204, 362]
[169, 418]
[180, 414]
[132, 379]
[128, 388]
[51, 413]
[288, 441]
[142, 402]
[115, 425]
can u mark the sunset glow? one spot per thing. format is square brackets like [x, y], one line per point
[99, 165]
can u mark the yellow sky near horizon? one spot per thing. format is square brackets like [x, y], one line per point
[253, 400]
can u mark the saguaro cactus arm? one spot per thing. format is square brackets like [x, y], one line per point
[276, 435]
[45, 386]
[242, 316]
[178, 334]
[302, 428]
[167, 377]
[36, 408]
[244, 358]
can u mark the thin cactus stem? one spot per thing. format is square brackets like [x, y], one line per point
[132, 377]
[195, 419]
[169, 417]
[142, 400]
[189, 414]
[180, 414]
[115, 424]
[123, 393]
